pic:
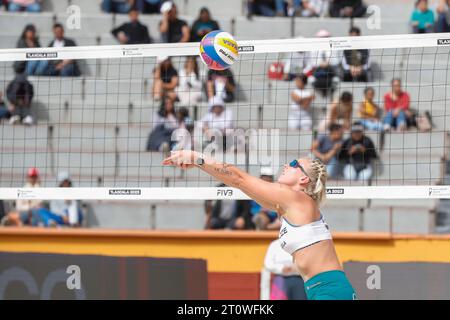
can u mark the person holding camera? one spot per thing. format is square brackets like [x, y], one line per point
[357, 155]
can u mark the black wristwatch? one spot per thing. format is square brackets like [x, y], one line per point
[200, 161]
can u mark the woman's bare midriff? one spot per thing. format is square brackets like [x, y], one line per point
[316, 258]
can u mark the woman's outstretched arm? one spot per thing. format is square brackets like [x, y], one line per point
[270, 195]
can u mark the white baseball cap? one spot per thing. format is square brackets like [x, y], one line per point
[63, 176]
[160, 59]
[166, 6]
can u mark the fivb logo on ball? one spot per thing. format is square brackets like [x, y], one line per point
[218, 50]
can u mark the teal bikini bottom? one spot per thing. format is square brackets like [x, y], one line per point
[329, 285]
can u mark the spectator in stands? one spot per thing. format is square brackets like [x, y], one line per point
[242, 217]
[422, 18]
[165, 79]
[62, 212]
[24, 213]
[184, 139]
[218, 117]
[339, 111]
[221, 83]
[227, 214]
[171, 28]
[357, 155]
[20, 93]
[149, 6]
[203, 25]
[183, 118]
[396, 107]
[268, 8]
[59, 212]
[327, 148]
[325, 67]
[369, 112]
[443, 12]
[189, 90]
[29, 39]
[347, 8]
[164, 122]
[64, 68]
[286, 283]
[300, 112]
[271, 8]
[217, 121]
[356, 63]
[263, 218]
[314, 8]
[117, 6]
[132, 32]
[24, 5]
[5, 113]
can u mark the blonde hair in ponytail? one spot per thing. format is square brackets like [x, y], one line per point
[318, 175]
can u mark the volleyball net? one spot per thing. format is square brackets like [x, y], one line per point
[111, 127]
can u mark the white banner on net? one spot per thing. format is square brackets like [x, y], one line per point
[215, 193]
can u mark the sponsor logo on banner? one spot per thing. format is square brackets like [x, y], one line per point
[125, 192]
[442, 42]
[225, 192]
[246, 48]
[132, 52]
[335, 190]
[41, 55]
[25, 194]
[439, 191]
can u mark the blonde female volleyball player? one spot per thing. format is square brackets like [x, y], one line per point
[296, 197]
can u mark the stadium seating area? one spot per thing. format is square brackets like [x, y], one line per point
[98, 124]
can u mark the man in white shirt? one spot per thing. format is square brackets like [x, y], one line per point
[286, 284]
[299, 113]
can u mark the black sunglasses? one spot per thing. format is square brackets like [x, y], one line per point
[295, 164]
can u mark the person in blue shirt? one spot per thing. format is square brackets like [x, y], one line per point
[422, 18]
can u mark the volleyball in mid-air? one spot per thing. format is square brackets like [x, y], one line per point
[218, 50]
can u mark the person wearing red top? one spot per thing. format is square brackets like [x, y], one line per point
[396, 106]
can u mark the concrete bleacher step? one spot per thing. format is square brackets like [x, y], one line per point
[400, 220]
[427, 204]
[349, 217]
[179, 215]
[146, 215]
[343, 218]
[119, 215]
